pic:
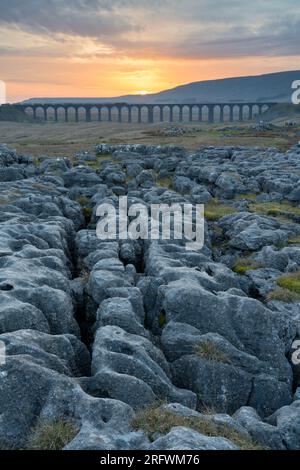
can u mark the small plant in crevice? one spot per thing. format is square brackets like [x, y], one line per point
[214, 210]
[283, 295]
[242, 265]
[162, 319]
[87, 213]
[82, 200]
[86, 209]
[210, 351]
[290, 282]
[294, 240]
[6, 446]
[165, 182]
[276, 209]
[52, 435]
[84, 276]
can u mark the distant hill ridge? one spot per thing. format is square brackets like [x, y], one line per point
[258, 88]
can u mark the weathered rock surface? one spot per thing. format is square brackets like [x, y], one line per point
[97, 330]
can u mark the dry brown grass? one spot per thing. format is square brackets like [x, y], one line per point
[66, 139]
[275, 209]
[52, 435]
[155, 419]
[283, 295]
[210, 351]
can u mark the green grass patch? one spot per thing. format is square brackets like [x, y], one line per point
[96, 164]
[283, 295]
[275, 209]
[162, 319]
[294, 240]
[87, 213]
[290, 282]
[247, 196]
[211, 352]
[155, 420]
[52, 435]
[242, 265]
[104, 156]
[166, 182]
[213, 210]
[82, 200]
[86, 210]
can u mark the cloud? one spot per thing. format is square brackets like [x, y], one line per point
[189, 29]
[86, 18]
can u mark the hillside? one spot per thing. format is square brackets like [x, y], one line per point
[270, 87]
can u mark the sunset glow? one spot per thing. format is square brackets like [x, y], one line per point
[118, 47]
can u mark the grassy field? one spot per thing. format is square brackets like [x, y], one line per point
[65, 139]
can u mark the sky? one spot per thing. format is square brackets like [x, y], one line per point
[102, 48]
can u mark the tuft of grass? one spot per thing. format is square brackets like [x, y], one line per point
[275, 209]
[294, 240]
[52, 435]
[87, 212]
[84, 276]
[242, 265]
[6, 446]
[241, 197]
[283, 295]
[155, 419]
[104, 156]
[214, 210]
[290, 282]
[162, 319]
[166, 182]
[210, 351]
[93, 164]
[82, 200]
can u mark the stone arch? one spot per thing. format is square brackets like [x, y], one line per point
[144, 110]
[104, 113]
[255, 110]
[113, 111]
[94, 113]
[49, 111]
[29, 110]
[133, 113]
[125, 113]
[157, 113]
[264, 108]
[166, 110]
[40, 112]
[217, 112]
[82, 113]
[194, 112]
[235, 112]
[185, 112]
[70, 113]
[226, 112]
[176, 112]
[205, 112]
